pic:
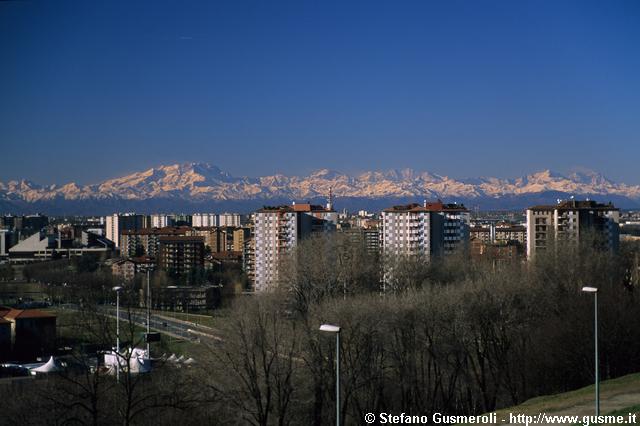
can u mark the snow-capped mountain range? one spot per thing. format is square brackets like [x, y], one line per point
[202, 183]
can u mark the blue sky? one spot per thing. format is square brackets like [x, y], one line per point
[90, 90]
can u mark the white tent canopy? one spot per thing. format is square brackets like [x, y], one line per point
[138, 361]
[50, 366]
[140, 365]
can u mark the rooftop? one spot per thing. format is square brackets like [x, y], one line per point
[437, 206]
[170, 230]
[576, 205]
[181, 239]
[295, 207]
[27, 313]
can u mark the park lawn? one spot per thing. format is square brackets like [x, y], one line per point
[566, 402]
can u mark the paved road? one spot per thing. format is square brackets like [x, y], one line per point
[167, 325]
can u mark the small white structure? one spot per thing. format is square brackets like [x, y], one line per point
[50, 366]
[139, 361]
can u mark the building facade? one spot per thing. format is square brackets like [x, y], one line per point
[277, 230]
[179, 255]
[116, 223]
[430, 229]
[162, 220]
[568, 220]
[214, 219]
[146, 242]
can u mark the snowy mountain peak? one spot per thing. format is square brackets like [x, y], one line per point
[197, 182]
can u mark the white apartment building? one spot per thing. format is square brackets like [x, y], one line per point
[277, 230]
[118, 222]
[229, 219]
[567, 220]
[4, 242]
[199, 220]
[406, 231]
[162, 220]
[429, 229]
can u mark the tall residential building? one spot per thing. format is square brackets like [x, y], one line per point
[239, 237]
[369, 237]
[429, 229]
[249, 258]
[117, 222]
[181, 254]
[568, 220]
[204, 220]
[218, 238]
[162, 220]
[277, 230]
[213, 219]
[5, 242]
[229, 219]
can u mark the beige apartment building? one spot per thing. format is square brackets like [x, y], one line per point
[567, 220]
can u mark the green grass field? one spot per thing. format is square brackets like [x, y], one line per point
[619, 396]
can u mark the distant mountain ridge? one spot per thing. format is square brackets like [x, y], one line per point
[181, 187]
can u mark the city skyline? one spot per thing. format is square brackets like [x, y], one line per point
[459, 89]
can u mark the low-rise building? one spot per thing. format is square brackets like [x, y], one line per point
[33, 332]
[45, 246]
[496, 252]
[124, 269]
[5, 339]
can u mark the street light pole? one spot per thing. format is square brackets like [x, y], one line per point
[336, 330]
[594, 290]
[148, 314]
[117, 290]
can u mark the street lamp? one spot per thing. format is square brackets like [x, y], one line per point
[594, 290]
[148, 303]
[117, 289]
[336, 330]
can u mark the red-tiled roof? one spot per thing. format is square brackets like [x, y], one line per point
[28, 313]
[143, 259]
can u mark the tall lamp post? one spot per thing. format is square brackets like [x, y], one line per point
[117, 289]
[594, 290]
[148, 314]
[335, 330]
